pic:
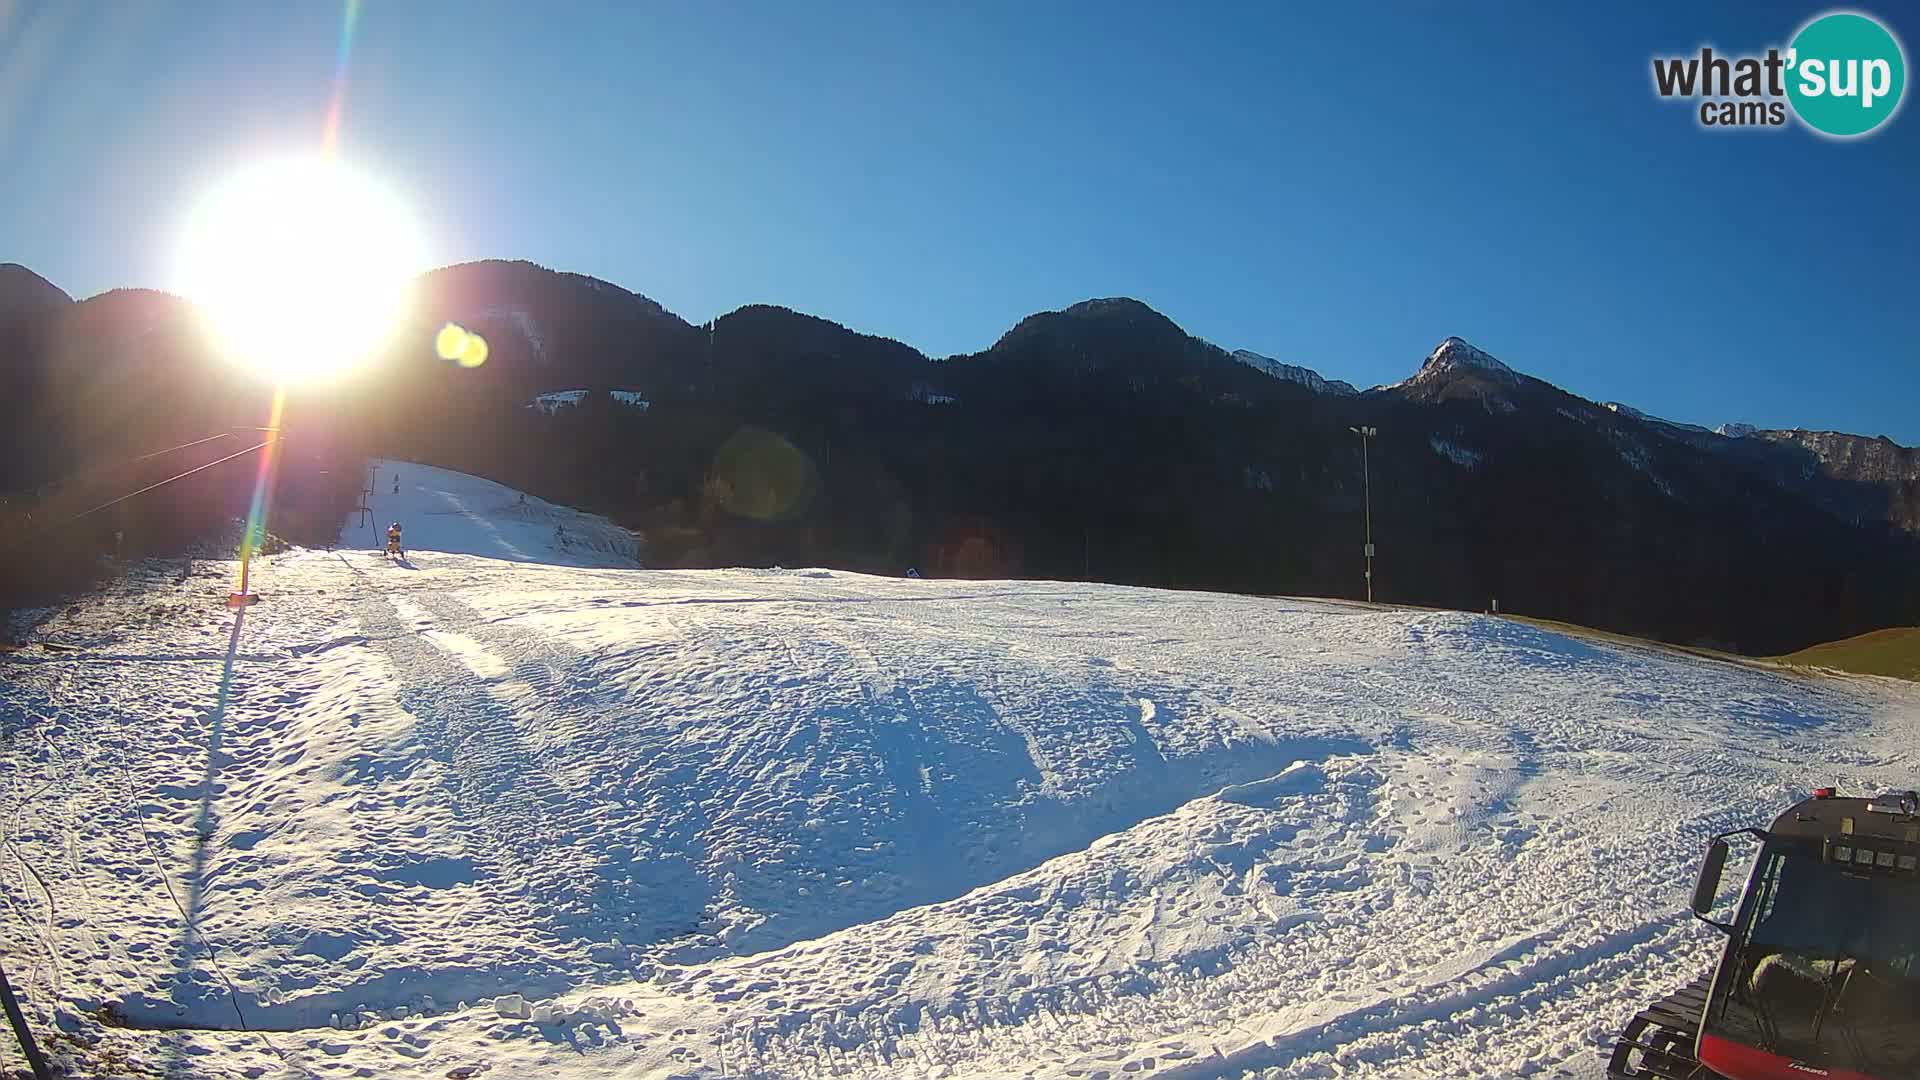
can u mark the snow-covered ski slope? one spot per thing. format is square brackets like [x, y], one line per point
[445, 511]
[807, 823]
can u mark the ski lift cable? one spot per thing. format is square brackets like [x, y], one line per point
[189, 445]
[227, 434]
[43, 530]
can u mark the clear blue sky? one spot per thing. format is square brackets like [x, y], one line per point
[1335, 185]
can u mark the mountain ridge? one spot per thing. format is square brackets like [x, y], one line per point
[24, 294]
[1306, 377]
[1099, 441]
[1453, 356]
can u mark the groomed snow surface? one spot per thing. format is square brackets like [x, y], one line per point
[443, 511]
[479, 811]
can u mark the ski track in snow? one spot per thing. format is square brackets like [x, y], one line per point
[810, 823]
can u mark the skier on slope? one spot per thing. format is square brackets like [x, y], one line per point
[393, 540]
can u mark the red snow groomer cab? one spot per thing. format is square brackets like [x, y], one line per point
[1821, 973]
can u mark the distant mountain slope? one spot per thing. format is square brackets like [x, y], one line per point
[1628, 410]
[96, 381]
[1870, 465]
[1095, 346]
[546, 326]
[1099, 441]
[1306, 377]
[24, 294]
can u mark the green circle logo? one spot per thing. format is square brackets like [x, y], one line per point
[1846, 74]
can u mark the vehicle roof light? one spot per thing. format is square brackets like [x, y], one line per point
[1824, 793]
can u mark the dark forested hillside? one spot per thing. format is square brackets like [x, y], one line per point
[1100, 442]
[96, 400]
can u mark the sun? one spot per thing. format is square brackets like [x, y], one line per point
[302, 266]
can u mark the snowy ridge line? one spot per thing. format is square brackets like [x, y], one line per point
[1294, 373]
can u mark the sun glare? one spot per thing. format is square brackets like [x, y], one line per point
[301, 265]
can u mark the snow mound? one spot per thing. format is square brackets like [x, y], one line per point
[481, 813]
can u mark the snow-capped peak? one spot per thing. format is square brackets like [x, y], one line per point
[1455, 356]
[1456, 352]
[1306, 377]
[1736, 430]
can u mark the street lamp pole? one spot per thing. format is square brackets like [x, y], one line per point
[1366, 486]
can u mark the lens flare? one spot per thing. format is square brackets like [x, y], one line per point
[450, 342]
[758, 474]
[460, 345]
[301, 265]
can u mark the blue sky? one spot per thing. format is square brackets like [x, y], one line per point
[1339, 186]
